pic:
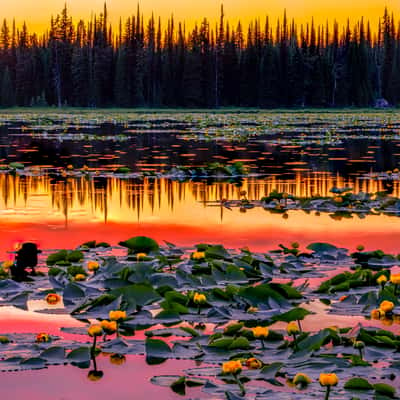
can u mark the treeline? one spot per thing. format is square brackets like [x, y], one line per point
[89, 64]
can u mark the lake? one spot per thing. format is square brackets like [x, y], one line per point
[68, 192]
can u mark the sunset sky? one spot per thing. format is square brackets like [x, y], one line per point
[37, 14]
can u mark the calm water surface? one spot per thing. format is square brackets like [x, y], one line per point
[57, 212]
[74, 211]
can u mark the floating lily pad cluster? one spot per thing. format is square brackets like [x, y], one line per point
[212, 171]
[242, 316]
[296, 128]
[341, 204]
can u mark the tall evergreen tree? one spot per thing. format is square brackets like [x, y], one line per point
[261, 65]
[7, 94]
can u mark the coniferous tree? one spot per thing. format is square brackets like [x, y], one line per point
[144, 64]
[7, 95]
[388, 55]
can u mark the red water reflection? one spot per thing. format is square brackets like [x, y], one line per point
[258, 230]
[66, 214]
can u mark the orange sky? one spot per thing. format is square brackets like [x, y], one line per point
[37, 13]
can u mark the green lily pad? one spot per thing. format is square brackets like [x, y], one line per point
[140, 244]
[358, 384]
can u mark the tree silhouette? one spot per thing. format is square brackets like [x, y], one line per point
[144, 63]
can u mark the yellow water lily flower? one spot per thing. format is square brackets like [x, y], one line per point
[53, 298]
[198, 255]
[254, 363]
[358, 344]
[93, 266]
[95, 330]
[199, 298]
[109, 327]
[386, 306]
[382, 279]
[302, 379]
[42, 338]
[376, 314]
[141, 256]
[79, 277]
[290, 383]
[328, 379]
[117, 315]
[260, 332]
[395, 279]
[292, 328]
[232, 367]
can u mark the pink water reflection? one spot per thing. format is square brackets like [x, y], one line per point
[125, 382]
[56, 217]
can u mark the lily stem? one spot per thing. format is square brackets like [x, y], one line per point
[240, 384]
[295, 342]
[328, 392]
[94, 345]
[94, 362]
[299, 324]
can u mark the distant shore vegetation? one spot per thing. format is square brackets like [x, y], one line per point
[162, 64]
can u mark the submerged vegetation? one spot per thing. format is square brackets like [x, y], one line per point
[242, 316]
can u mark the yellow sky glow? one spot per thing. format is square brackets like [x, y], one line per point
[37, 14]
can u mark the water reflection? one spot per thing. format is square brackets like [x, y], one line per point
[116, 200]
[68, 212]
[158, 151]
